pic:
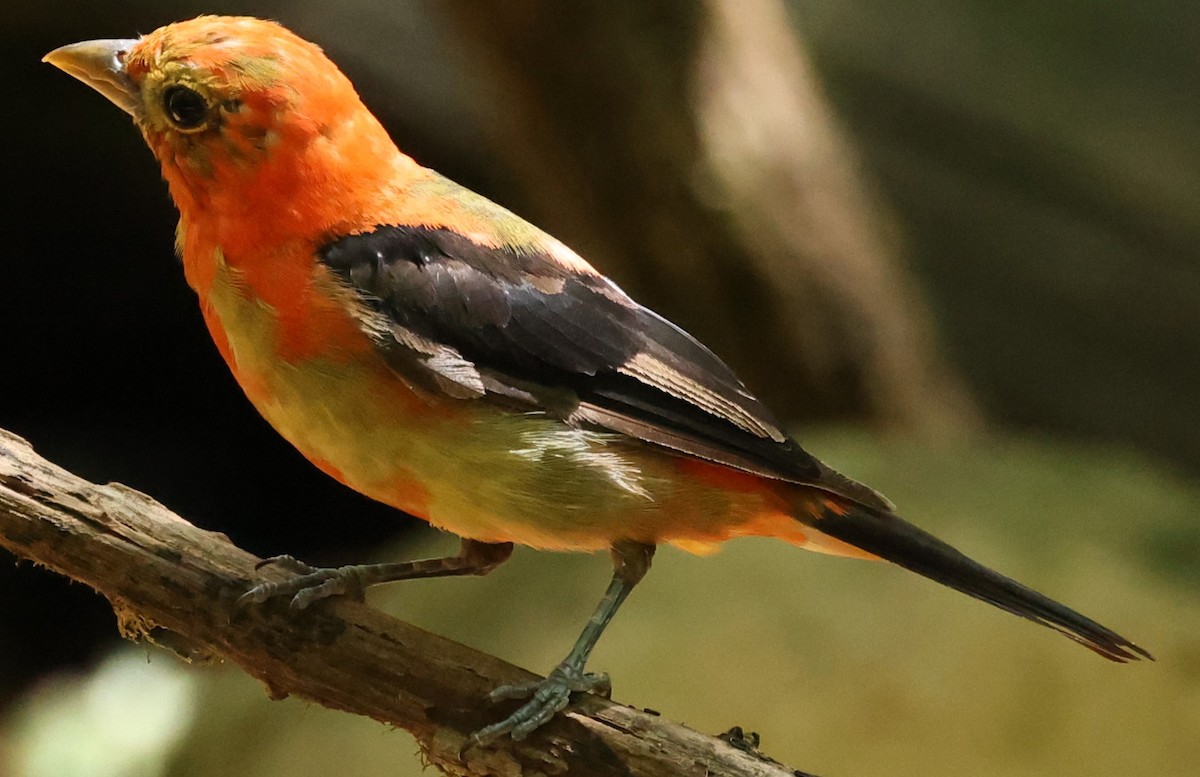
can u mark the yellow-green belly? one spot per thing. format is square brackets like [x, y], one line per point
[467, 466]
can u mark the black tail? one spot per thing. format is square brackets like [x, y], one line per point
[894, 539]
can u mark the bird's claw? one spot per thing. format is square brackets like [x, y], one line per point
[310, 586]
[290, 563]
[546, 699]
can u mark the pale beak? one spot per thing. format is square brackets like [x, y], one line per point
[101, 65]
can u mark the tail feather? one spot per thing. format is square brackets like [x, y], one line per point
[889, 537]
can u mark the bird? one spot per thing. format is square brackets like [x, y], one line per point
[430, 349]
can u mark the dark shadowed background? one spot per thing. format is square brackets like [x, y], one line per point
[960, 241]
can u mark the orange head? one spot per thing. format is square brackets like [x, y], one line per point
[242, 113]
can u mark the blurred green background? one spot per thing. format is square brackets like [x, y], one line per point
[988, 214]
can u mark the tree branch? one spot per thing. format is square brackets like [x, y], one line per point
[162, 574]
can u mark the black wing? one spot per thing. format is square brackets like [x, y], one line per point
[526, 327]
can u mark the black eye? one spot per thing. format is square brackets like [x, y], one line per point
[185, 107]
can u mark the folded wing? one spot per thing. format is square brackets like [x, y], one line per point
[521, 325]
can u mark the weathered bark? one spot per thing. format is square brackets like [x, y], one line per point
[686, 147]
[173, 583]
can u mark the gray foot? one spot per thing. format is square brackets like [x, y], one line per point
[290, 563]
[546, 699]
[309, 586]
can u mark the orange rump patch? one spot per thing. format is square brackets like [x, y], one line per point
[723, 477]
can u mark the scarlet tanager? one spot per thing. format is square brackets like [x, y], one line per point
[430, 349]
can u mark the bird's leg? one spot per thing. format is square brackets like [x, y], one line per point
[631, 560]
[474, 558]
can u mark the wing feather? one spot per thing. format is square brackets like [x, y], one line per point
[519, 325]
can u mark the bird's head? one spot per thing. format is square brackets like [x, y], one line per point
[236, 110]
